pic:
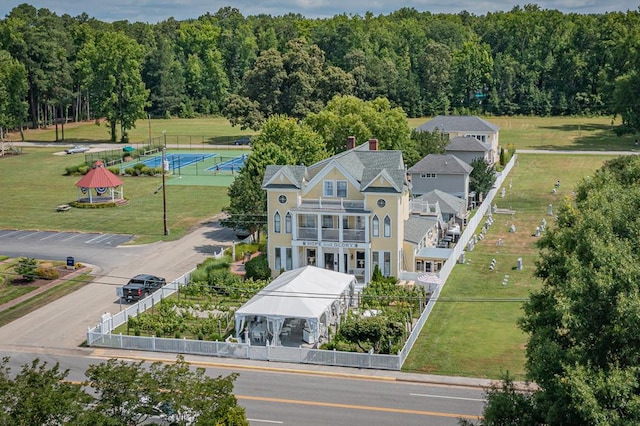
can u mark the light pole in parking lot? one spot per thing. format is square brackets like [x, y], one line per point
[164, 192]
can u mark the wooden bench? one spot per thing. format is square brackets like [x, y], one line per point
[63, 208]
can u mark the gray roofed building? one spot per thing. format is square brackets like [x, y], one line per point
[441, 163]
[450, 206]
[363, 165]
[468, 148]
[467, 125]
[416, 228]
[458, 123]
[445, 172]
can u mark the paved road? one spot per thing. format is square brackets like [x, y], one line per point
[63, 323]
[284, 394]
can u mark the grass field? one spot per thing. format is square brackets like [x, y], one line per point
[33, 184]
[199, 128]
[472, 330]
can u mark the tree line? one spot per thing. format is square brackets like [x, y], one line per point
[528, 61]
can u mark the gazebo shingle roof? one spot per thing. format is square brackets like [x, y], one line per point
[99, 177]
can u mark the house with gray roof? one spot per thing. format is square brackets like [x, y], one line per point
[346, 213]
[467, 125]
[444, 172]
[468, 148]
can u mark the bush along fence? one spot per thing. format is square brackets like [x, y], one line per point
[101, 335]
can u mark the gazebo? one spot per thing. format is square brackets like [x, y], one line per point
[107, 186]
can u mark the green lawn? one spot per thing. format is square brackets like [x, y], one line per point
[472, 330]
[199, 128]
[557, 133]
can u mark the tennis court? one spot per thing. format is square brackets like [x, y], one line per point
[175, 160]
[209, 168]
[230, 165]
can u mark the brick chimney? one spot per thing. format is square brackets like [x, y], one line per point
[373, 144]
[351, 142]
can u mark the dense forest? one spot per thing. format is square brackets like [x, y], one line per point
[527, 61]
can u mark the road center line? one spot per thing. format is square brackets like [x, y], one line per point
[448, 397]
[265, 421]
[357, 407]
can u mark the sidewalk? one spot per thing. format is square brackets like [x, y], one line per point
[237, 267]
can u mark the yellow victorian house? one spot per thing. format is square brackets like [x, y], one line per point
[347, 213]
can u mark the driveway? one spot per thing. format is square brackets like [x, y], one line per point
[63, 323]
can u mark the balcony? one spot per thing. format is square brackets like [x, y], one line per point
[331, 204]
[333, 234]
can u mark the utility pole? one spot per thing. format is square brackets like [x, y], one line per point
[164, 192]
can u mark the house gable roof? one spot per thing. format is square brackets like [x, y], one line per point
[441, 164]
[458, 123]
[359, 165]
[416, 227]
[284, 176]
[448, 203]
[467, 144]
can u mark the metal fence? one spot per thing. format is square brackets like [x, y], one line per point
[101, 335]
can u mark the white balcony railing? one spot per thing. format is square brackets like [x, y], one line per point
[339, 204]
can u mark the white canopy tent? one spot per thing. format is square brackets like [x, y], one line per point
[307, 293]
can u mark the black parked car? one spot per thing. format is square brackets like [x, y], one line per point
[141, 286]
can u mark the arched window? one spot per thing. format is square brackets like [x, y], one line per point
[276, 222]
[287, 223]
[375, 226]
[387, 226]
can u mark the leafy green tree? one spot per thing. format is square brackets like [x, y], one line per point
[39, 395]
[583, 350]
[509, 404]
[111, 70]
[281, 141]
[196, 398]
[28, 268]
[627, 104]
[426, 143]
[13, 91]
[164, 77]
[123, 391]
[471, 71]
[482, 177]
[346, 116]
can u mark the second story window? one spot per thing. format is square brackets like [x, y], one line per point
[375, 226]
[287, 223]
[341, 186]
[276, 223]
[387, 226]
[328, 189]
[334, 188]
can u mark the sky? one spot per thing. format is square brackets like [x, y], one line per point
[153, 11]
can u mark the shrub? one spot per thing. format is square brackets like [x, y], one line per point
[27, 267]
[258, 268]
[48, 273]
